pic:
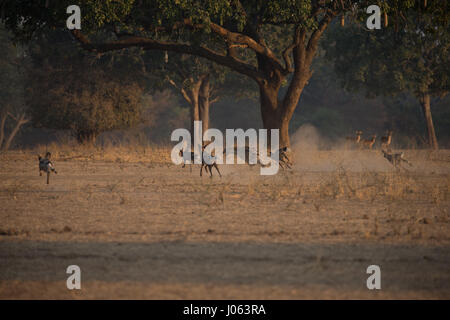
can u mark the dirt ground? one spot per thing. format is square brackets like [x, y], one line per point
[144, 228]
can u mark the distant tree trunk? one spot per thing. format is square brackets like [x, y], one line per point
[204, 103]
[20, 121]
[2, 127]
[426, 108]
[198, 101]
[194, 104]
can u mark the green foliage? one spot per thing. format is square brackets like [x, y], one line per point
[70, 90]
[261, 31]
[156, 18]
[413, 57]
[11, 75]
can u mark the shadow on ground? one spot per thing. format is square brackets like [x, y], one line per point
[33, 269]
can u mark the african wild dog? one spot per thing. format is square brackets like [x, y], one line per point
[212, 161]
[283, 158]
[203, 164]
[46, 165]
[395, 159]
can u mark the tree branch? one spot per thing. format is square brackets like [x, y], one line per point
[313, 42]
[150, 44]
[242, 39]
[286, 53]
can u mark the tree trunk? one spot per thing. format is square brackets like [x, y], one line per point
[204, 103]
[275, 114]
[426, 108]
[2, 127]
[20, 121]
[195, 112]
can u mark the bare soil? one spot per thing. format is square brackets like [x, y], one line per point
[150, 229]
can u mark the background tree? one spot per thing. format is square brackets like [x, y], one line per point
[244, 32]
[68, 89]
[411, 58]
[12, 105]
[197, 80]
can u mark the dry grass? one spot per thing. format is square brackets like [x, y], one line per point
[85, 153]
[297, 229]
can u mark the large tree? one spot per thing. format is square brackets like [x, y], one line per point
[413, 57]
[273, 42]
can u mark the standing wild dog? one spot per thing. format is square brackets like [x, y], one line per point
[46, 165]
[395, 159]
[354, 140]
[368, 143]
[386, 140]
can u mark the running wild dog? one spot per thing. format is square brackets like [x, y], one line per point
[212, 161]
[395, 159]
[386, 140]
[204, 164]
[368, 143]
[46, 165]
[283, 158]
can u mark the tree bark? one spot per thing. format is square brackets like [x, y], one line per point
[195, 113]
[2, 127]
[194, 103]
[276, 113]
[270, 114]
[426, 108]
[20, 121]
[198, 97]
[204, 103]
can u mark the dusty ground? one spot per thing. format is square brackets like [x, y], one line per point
[148, 229]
